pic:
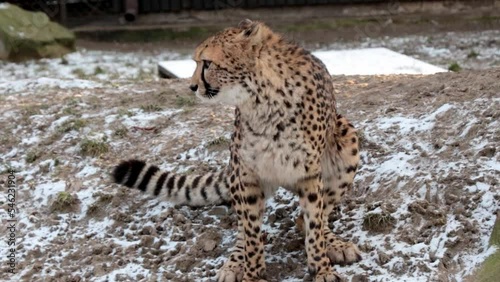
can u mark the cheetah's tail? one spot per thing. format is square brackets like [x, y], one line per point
[192, 190]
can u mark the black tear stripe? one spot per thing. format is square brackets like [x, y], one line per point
[159, 183]
[147, 177]
[205, 83]
[135, 170]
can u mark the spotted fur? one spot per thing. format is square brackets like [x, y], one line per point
[286, 133]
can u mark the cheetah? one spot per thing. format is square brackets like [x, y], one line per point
[286, 133]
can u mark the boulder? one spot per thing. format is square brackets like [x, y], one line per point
[31, 35]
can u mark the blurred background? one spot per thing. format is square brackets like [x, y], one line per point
[450, 34]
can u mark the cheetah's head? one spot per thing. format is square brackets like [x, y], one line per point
[226, 61]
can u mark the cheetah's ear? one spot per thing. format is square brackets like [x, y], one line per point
[249, 27]
[253, 31]
[246, 23]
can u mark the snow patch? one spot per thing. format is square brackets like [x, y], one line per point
[45, 190]
[44, 82]
[87, 170]
[129, 270]
[31, 140]
[407, 125]
[144, 119]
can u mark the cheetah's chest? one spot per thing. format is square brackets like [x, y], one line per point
[276, 155]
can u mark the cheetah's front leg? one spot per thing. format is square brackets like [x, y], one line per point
[232, 270]
[310, 190]
[247, 262]
[338, 250]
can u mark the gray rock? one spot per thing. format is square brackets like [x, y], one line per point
[218, 210]
[209, 245]
[31, 35]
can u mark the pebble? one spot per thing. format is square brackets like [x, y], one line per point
[209, 245]
[148, 230]
[147, 240]
[158, 244]
[383, 258]
[218, 210]
[33, 219]
[360, 278]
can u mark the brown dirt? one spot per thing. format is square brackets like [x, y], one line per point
[149, 240]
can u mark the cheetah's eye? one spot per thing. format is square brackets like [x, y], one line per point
[206, 64]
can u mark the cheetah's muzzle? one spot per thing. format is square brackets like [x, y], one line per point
[211, 93]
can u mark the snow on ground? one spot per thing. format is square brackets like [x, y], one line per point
[81, 69]
[414, 260]
[42, 82]
[430, 167]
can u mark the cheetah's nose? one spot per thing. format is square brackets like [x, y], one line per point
[193, 87]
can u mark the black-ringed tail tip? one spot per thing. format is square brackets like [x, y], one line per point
[127, 172]
[193, 190]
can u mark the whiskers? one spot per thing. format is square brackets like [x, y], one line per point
[211, 92]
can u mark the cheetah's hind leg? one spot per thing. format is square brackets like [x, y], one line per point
[340, 165]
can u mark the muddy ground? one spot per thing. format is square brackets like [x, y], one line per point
[422, 207]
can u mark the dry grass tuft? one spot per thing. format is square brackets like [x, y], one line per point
[65, 202]
[182, 101]
[378, 222]
[73, 124]
[93, 148]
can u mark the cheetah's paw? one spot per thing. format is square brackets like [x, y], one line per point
[230, 272]
[340, 252]
[327, 276]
